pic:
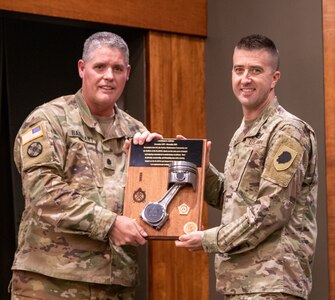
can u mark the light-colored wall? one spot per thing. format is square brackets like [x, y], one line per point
[296, 28]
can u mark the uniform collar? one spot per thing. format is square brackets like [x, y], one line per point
[251, 128]
[120, 129]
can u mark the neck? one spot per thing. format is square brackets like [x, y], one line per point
[252, 114]
[102, 111]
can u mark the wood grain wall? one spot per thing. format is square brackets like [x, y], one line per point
[329, 89]
[176, 80]
[187, 16]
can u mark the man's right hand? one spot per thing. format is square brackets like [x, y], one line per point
[126, 231]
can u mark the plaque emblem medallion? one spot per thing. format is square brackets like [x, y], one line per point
[183, 209]
[139, 195]
[190, 227]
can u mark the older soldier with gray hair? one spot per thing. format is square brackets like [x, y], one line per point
[268, 191]
[73, 241]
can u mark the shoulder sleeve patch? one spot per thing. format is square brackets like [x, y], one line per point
[32, 133]
[35, 147]
[284, 158]
[283, 161]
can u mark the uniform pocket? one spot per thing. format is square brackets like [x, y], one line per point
[250, 166]
[83, 164]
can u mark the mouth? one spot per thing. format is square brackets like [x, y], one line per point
[247, 91]
[107, 87]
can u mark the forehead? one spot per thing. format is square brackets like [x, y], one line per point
[245, 57]
[107, 53]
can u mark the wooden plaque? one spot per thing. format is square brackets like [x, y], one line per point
[149, 179]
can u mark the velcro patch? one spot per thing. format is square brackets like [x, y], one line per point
[284, 158]
[35, 147]
[31, 134]
[283, 161]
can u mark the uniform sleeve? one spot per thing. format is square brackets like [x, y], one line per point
[39, 153]
[286, 164]
[214, 187]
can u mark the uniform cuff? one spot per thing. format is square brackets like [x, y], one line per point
[209, 240]
[104, 221]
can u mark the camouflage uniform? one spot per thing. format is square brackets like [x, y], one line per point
[267, 194]
[73, 182]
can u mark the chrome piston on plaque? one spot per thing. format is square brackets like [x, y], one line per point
[181, 173]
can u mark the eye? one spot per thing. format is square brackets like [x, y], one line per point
[255, 70]
[118, 69]
[239, 70]
[99, 67]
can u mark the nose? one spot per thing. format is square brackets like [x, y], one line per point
[246, 76]
[109, 74]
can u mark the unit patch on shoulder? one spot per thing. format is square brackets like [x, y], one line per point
[35, 146]
[34, 149]
[31, 134]
[284, 158]
[283, 161]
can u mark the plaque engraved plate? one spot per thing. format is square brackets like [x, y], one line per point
[171, 172]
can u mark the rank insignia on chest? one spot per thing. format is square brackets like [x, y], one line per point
[284, 158]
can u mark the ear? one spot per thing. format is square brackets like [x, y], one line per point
[275, 78]
[128, 71]
[81, 68]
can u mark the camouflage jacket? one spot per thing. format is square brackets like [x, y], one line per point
[268, 195]
[73, 182]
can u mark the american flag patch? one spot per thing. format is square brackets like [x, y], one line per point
[31, 134]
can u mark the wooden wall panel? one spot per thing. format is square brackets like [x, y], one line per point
[329, 81]
[187, 16]
[176, 84]
[176, 95]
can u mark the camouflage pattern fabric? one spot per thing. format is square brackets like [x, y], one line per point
[268, 196]
[73, 181]
[28, 285]
[266, 296]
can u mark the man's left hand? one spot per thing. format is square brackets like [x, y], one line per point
[146, 136]
[140, 138]
[192, 241]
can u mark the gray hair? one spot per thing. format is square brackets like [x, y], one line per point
[105, 38]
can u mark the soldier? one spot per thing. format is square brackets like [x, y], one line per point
[73, 241]
[268, 191]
